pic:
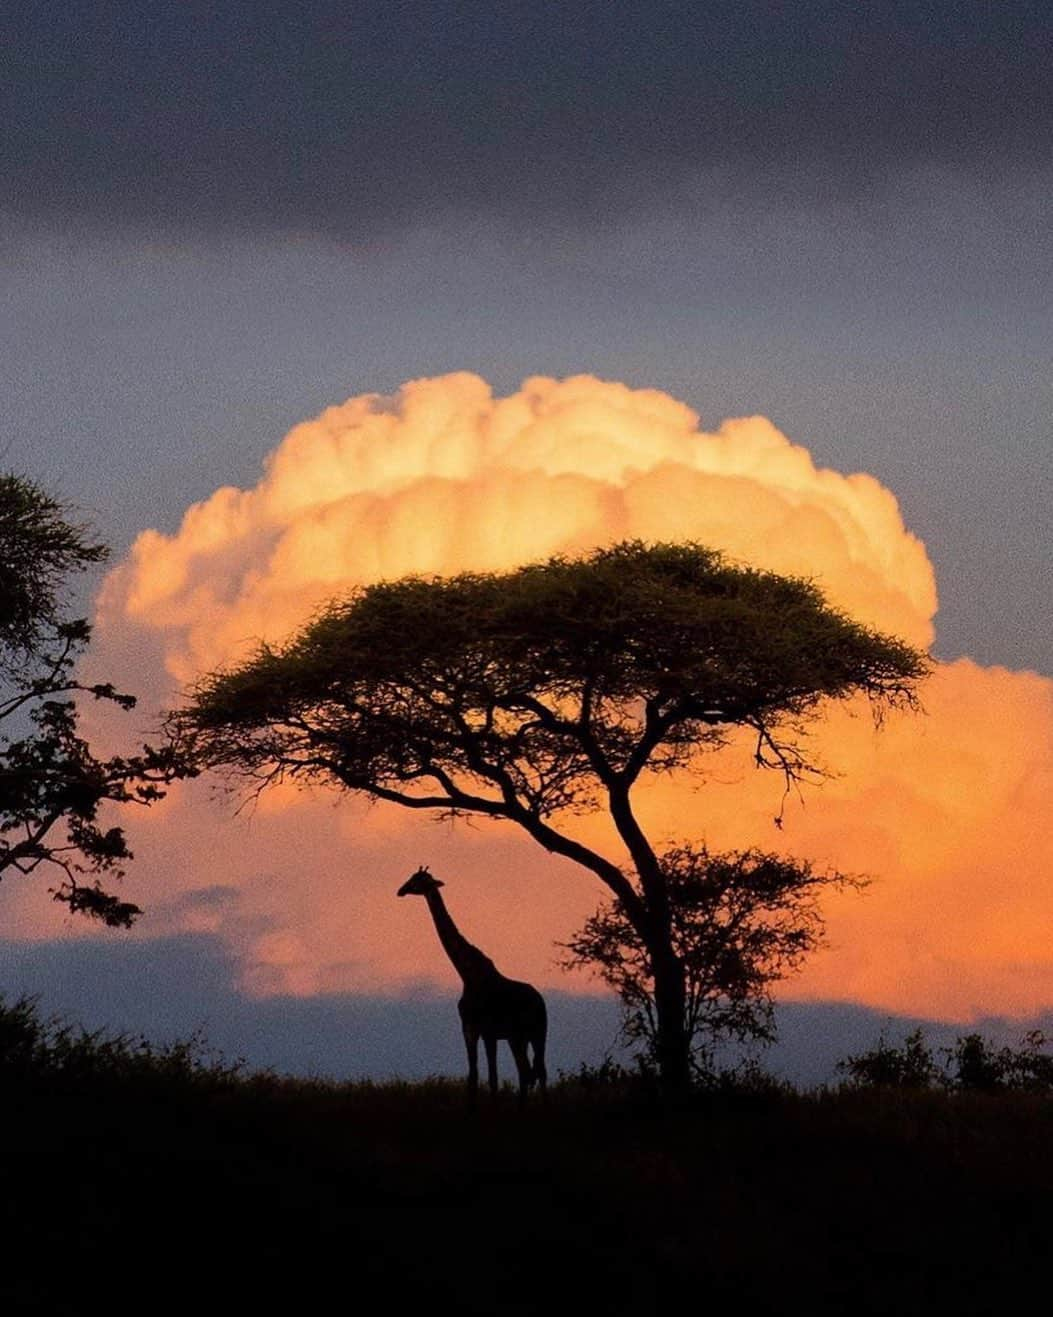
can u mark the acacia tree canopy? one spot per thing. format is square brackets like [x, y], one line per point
[51, 784]
[534, 692]
[547, 690]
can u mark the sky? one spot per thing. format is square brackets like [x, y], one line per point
[553, 252]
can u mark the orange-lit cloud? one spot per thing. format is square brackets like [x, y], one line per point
[945, 810]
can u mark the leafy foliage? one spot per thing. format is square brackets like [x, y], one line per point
[52, 786]
[48, 1052]
[973, 1064]
[540, 681]
[740, 922]
[979, 1065]
[39, 548]
[913, 1065]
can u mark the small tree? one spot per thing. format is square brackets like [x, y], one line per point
[913, 1065]
[550, 690]
[51, 785]
[740, 921]
[982, 1067]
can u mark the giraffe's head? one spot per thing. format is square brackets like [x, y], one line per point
[420, 883]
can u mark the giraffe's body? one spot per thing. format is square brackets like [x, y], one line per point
[492, 1007]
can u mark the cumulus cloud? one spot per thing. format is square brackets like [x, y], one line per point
[445, 477]
[944, 810]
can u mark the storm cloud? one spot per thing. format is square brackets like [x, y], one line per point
[357, 120]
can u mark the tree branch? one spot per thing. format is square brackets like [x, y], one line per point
[656, 726]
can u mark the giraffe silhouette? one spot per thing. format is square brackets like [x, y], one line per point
[491, 1006]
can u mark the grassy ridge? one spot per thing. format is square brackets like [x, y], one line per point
[158, 1176]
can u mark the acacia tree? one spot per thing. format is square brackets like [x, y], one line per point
[549, 690]
[51, 784]
[739, 922]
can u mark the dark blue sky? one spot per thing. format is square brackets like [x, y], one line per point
[360, 118]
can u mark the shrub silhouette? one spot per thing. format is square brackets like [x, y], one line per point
[913, 1065]
[983, 1067]
[974, 1064]
[47, 1052]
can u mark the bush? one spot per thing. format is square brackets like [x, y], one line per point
[982, 1067]
[911, 1066]
[38, 1051]
[974, 1063]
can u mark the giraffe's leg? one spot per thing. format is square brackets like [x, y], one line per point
[540, 1073]
[519, 1051]
[471, 1042]
[490, 1043]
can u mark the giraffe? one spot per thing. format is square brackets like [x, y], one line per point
[491, 1006]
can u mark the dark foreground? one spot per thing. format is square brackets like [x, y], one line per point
[168, 1185]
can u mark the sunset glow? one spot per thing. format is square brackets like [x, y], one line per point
[945, 811]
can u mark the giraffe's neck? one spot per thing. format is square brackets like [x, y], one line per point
[468, 961]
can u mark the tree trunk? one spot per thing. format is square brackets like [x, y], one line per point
[673, 1043]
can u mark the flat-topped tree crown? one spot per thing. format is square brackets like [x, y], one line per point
[550, 689]
[538, 685]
